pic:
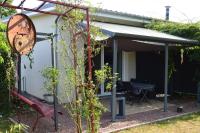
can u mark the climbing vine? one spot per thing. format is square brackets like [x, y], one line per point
[85, 104]
[188, 30]
[50, 79]
[78, 89]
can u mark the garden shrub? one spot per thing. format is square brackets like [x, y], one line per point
[6, 71]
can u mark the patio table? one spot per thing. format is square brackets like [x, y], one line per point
[144, 88]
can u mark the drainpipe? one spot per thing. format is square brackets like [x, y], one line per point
[55, 65]
[19, 73]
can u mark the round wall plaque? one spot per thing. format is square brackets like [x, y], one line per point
[21, 34]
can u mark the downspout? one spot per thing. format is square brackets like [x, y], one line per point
[19, 73]
[55, 65]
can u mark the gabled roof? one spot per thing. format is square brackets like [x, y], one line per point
[120, 24]
[103, 15]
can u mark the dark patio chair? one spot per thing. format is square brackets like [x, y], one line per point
[121, 90]
[131, 94]
[136, 92]
[145, 81]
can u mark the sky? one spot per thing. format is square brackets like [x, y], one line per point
[180, 11]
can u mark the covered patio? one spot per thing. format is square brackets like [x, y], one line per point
[128, 38]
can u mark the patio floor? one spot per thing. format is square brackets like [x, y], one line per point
[138, 107]
[136, 114]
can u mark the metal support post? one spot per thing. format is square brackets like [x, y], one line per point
[115, 47]
[166, 77]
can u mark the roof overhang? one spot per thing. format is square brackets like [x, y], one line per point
[141, 34]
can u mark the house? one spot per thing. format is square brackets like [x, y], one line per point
[132, 51]
[32, 80]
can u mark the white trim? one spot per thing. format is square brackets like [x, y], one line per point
[128, 65]
[105, 94]
[32, 14]
[37, 13]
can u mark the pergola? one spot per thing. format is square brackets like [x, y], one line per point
[71, 6]
[39, 9]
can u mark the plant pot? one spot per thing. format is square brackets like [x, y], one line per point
[180, 109]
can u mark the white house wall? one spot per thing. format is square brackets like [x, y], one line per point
[41, 56]
[66, 87]
[42, 59]
[128, 65]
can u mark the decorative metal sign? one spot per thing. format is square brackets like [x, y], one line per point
[21, 34]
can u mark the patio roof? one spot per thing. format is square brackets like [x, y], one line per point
[137, 33]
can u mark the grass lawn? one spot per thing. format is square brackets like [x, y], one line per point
[185, 124]
[4, 125]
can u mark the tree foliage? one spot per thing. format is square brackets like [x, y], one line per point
[7, 70]
[4, 12]
[188, 30]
